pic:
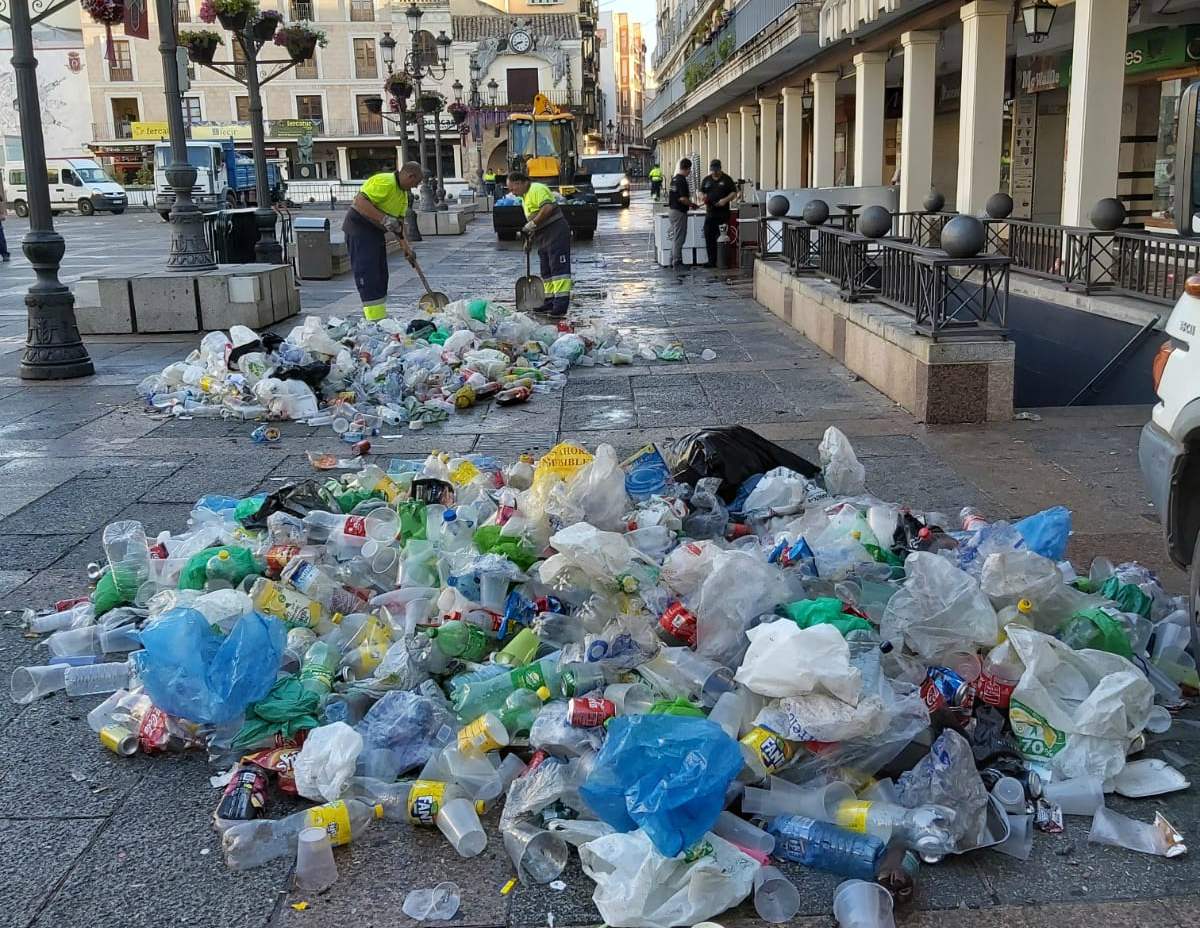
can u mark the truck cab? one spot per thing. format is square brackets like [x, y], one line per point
[224, 177]
[78, 184]
[609, 177]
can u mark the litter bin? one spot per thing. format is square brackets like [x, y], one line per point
[314, 254]
[234, 234]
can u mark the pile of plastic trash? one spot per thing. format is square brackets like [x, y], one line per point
[361, 377]
[685, 665]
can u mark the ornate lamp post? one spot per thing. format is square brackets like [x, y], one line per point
[418, 68]
[399, 88]
[53, 349]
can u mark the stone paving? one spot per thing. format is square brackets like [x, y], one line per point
[93, 840]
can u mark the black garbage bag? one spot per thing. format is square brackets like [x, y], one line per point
[420, 328]
[313, 373]
[297, 499]
[732, 453]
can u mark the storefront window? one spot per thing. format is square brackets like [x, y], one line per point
[1164, 161]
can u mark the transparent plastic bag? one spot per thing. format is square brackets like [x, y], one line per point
[1011, 576]
[552, 733]
[666, 774]
[411, 726]
[844, 475]
[786, 660]
[191, 671]
[780, 489]
[946, 776]
[326, 762]
[740, 586]
[938, 610]
[596, 492]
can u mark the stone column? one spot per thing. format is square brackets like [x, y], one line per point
[713, 149]
[916, 124]
[868, 118]
[793, 139]
[981, 108]
[824, 103]
[768, 173]
[1094, 113]
[724, 133]
[749, 146]
[733, 164]
[343, 163]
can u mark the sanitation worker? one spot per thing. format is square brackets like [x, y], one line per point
[378, 209]
[546, 227]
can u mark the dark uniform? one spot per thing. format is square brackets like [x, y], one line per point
[553, 240]
[366, 243]
[714, 189]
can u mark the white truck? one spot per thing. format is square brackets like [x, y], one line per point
[610, 177]
[78, 184]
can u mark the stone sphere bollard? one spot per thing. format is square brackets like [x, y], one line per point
[934, 202]
[963, 237]
[815, 212]
[998, 206]
[778, 205]
[875, 222]
[1107, 214]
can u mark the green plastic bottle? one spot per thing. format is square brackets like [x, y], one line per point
[1097, 630]
[519, 651]
[320, 663]
[461, 640]
[521, 708]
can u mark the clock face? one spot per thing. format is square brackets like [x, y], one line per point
[520, 41]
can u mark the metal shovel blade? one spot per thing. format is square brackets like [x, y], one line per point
[531, 292]
[432, 300]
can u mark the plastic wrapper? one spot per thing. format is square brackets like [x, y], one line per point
[938, 610]
[665, 774]
[326, 762]
[285, 711]
[190, 671]
[552, 782]
[1076, 711]
[411, 726]
[707, 515]
[1047, 532]
[732, 453]
[786, 660]
[782, 490]
[840, 467]
[552, 733]
[947, 776]
[740, 587]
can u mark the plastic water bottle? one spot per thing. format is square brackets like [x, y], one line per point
[252, 844]
[925, 829]
[455, 534]
[824, 846]
[320, 662]
[318, 585]
[478, 675]
[520, 710]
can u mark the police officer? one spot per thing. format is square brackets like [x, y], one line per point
[656, 177]
[546, 227]
[378, 208]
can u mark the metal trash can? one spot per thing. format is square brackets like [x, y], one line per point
[314, 253]
[234, 234]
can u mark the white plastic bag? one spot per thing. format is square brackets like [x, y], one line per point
[1011, 576]
[636, 887]
[686, 568]
[786, 660]
[740, 586]
[782, 490]
[326, 762]
[844, 475]
[596, 492]
[939, 610]
[1076, 711]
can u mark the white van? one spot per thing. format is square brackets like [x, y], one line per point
[610, 178]
[75, 183]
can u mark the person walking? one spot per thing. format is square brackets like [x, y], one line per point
[717, 190]
[4, 255]
[679, 201]
[379, 208]
[547, 228]
[656, 177]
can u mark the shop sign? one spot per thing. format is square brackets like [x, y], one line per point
[208, 132]
[1043, 72]
[948, 94]
[293, 128]
[148, 131]
[1157, 50]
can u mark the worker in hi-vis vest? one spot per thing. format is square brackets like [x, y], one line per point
[546, 227]
[378, 208]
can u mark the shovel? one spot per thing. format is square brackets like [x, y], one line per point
[431, 300]
[531, 292]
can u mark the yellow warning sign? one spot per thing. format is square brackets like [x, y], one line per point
[562, 461]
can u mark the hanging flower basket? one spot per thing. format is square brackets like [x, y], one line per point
[265, 25]
[398, 86]
[233, 14]
[431, 103]
[201, 44]
[110, 13]
[300, 41]
[458, 111]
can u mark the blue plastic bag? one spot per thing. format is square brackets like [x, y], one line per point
[1046, 532]
[194, 672]
[411, 726]
[664, 773]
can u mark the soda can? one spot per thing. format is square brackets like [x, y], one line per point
[264, 433]
[680, 623]
[245, 796]
[945, 689]
[589, 711]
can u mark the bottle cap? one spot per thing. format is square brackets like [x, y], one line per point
[924, 532]
[480, 807]
[543, 693]
[1024, 606]
[223, 554]
[378, 810]
[856, 534]
[449, 515]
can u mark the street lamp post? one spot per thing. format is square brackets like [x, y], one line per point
[387, 49]
[53, 348]
[417, 68]
[189, 251]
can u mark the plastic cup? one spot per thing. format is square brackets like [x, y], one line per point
[30, 683]
[381, 524]
[738, 831]
[859, 904]
[630, 698]
[458, 821]
[1011, 794]
[123, 638]
[378, 764]
[493, 588]
[1159, 722]
[96, 678]
[819, 803]
[1077, 796]
[538, 855]
[437, 904]
[1019, 843]
[881, 791]
[511, 768]
[776, 900]
[316, 869]
[730, 712]
[73, 642]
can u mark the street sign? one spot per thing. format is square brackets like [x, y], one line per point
[137, 20]
[182, 63]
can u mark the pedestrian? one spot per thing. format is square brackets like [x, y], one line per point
[377, 209]
[656, 177]
[717, 190]
[4, 255]
[489, 183]
[547, 228]
[679, 201]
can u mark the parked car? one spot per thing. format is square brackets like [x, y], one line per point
[75, 183]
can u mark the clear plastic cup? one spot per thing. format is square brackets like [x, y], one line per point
[493, 588]
[738, 831]
[458, 821]
[97, 678]
[1011, 794]
[859, 904]
[316, 869]
[30, 683]
[378, 764]
[538, 855]
[74, 642]
[776, 900]
[730, 712]
[1019, 843]
[630, 698]
[511, 768]
[881, 791]
[123, 638]
[437, 904]
[1077, 796]
[819, 803]
[382, 524]
[1160, 719]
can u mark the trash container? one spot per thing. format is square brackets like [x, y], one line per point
[314, 254]
[234, 236]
